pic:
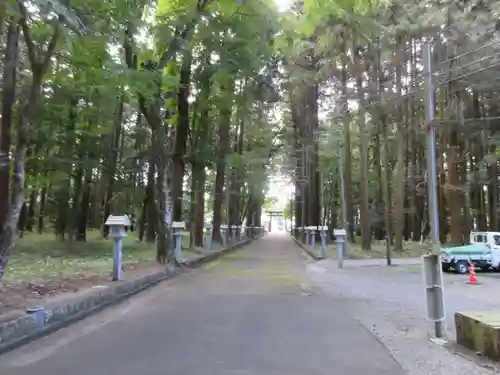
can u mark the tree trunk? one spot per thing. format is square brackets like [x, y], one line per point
[223, 146]
[111, 161]
[400, 163]
[41, 211]
[149, 208]
[22, 133]
[9, 80]
[347, 142]
[30, 222]
[83, 211]
[365, 205]
[181, 135]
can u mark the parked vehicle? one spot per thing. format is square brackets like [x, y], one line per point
[483, 252]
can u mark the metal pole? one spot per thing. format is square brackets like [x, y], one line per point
[432, 267]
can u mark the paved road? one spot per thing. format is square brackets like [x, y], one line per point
[252, 312]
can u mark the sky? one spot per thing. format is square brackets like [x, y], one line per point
[279, 186]
[283, 4]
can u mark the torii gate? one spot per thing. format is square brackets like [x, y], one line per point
[273, 213]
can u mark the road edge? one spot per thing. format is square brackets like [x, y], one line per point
[307, 250]
[22, 330]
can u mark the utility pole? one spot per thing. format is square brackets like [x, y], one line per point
[430, 111]
[433, 274]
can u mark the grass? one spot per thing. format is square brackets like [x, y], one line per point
[378, 250]
[42, 258]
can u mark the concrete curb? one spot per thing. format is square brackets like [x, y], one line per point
[20, 331]
[309, 251]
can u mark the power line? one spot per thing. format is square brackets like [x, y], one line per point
[491, 44]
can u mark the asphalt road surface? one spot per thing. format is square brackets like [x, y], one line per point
[251, 312]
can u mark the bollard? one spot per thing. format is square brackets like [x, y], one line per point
[242, 233]
[224, 233]
[208, 236]
[117, 259]
[233, 232]
[323, 233]
[178, 227]
[177, 241]
[259, 231]
[306, 236]
[117, 226]
[313, 238]
[340, 236]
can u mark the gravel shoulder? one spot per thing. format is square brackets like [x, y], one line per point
[389, 301]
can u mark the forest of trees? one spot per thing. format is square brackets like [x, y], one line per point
[356, 103]
[129, 106]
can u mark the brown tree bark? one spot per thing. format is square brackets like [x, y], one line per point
[9, 80]
[111, 162]
[181, 135]
[365, 215]
[27, 109]
[224, 147]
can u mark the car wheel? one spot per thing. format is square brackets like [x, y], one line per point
[462, 267]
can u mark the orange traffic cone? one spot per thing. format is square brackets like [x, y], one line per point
[472, 275]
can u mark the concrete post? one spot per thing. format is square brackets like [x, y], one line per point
[340, 235]
[177, 240]
[117, 259]
[117, 232]
[178, 227]
[323, 233]
[233, 232]
[224, 234]
[208, 236]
